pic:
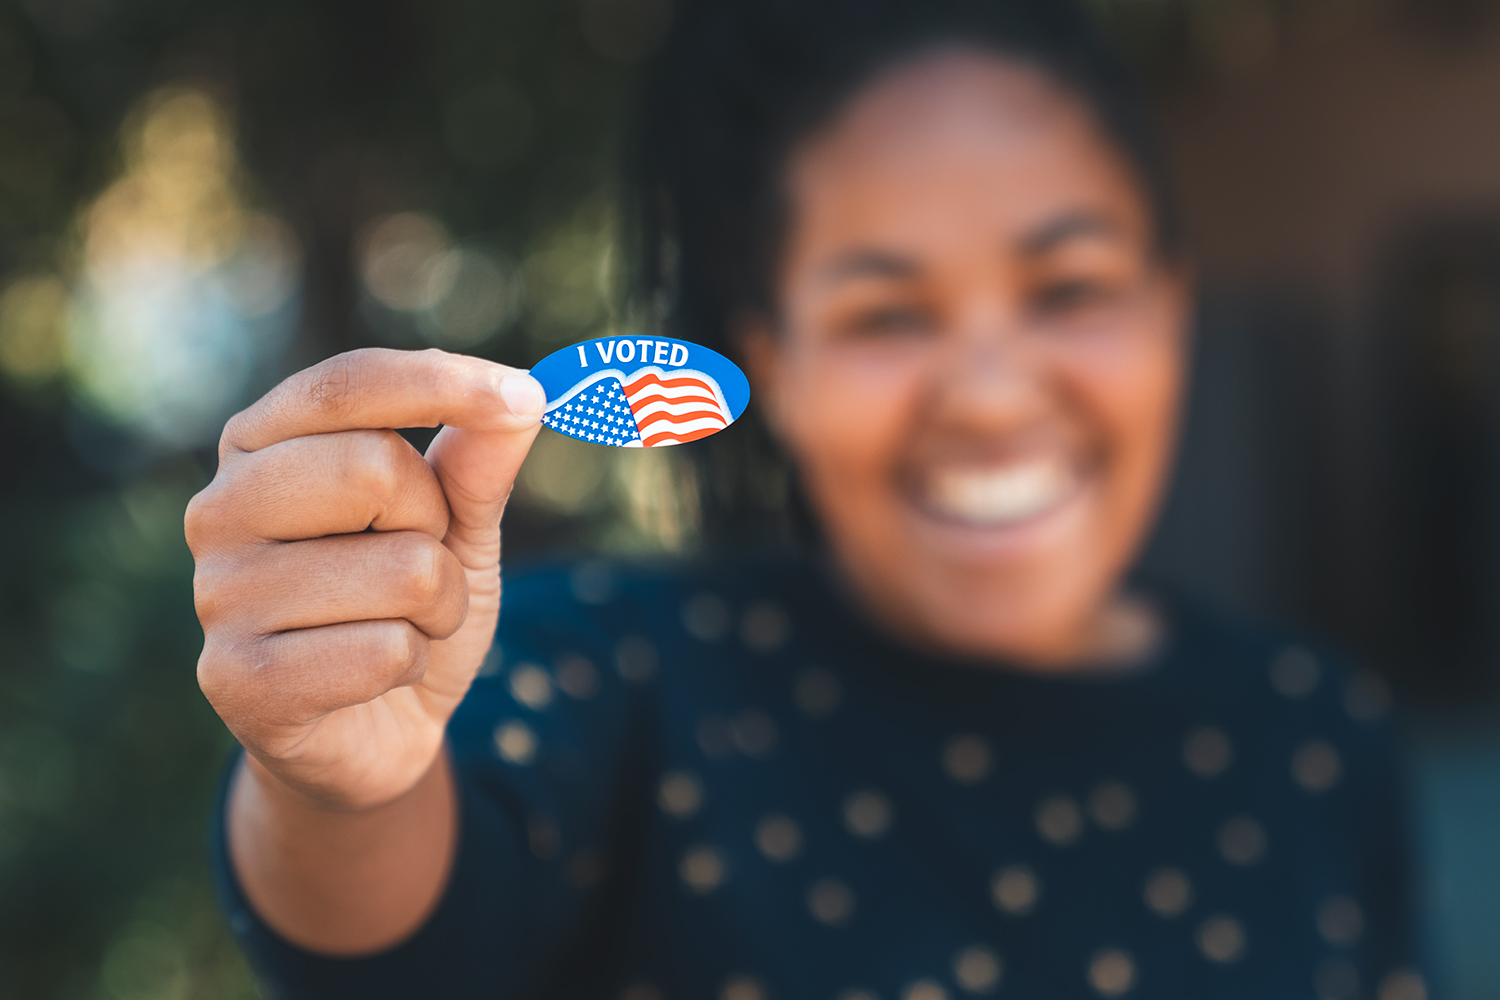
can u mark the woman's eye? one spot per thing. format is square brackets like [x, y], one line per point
[1067, 296]
[889, 321]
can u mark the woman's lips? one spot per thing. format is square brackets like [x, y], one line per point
[998, 496]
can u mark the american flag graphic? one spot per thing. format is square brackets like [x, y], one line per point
[650, 409]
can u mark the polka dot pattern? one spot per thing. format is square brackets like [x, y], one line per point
[977, 969]
[1316, 766]
[1403, 984]
[742, 987]
[753, 733]
[1112, 805]
[764, 627]
[917, 829]
[924, 989]
[1221, 938]
[1059, 821]
[1168, 892]
[1341, 921]
[1207, 752]
[1016, 889]
[1111, 972]
[530, 685]
[831, 902]
[966, 759]
[703, 869]
[577, 677]
[515, 742]
[867, 814]
[680, 794]
[779, 838]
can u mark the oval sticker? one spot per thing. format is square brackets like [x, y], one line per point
[640, 392]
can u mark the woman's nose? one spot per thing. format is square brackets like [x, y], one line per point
[993, 378]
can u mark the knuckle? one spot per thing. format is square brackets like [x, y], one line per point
[241, 677]
[334, 385]
[211, 679]
[402, 647]
[196, 527]
[233, 430]
[208, 588]
[377, 463]
[223, 676]
[422, 567]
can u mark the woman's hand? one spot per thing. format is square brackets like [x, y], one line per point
[349, 589]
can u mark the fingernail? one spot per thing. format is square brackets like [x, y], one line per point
[523, 394]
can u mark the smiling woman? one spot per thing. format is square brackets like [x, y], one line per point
[1026, 354]
[944, 749]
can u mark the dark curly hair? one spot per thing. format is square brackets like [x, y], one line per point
[736, 85]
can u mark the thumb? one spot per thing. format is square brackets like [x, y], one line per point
[477, 469]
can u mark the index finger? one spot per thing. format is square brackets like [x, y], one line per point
[378, 388]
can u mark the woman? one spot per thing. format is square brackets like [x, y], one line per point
[947, 754]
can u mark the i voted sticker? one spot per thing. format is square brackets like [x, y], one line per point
[640, 392]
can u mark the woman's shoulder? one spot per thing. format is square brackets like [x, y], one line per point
[1287, 662]
[1293, 699]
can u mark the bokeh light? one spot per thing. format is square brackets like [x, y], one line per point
[185, 291]
[459, 295]
[33, 327]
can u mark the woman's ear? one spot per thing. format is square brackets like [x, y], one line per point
[761, 349]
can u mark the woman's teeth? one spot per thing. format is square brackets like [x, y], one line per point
[992, 497]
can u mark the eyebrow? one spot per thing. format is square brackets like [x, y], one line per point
[868, 264]
[872, 263]
[1071, 226]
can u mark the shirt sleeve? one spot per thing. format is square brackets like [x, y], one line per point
[545, 761]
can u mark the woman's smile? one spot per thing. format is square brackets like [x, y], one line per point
[997, 496]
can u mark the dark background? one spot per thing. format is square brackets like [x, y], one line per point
[197, 198]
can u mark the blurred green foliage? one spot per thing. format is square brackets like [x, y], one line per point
[494, 124]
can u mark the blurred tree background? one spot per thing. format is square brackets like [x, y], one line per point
[198, 197]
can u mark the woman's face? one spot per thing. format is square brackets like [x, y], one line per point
[977, 358]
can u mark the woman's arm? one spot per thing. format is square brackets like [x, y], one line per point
[341, 882]
[349, 589]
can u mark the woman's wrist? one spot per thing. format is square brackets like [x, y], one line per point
[340, 880]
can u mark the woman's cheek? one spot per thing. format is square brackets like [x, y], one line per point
[858, 404]
[1132, 382]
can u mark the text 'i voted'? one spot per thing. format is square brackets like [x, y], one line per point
[640, 392]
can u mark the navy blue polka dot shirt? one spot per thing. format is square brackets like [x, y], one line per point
[726, 786]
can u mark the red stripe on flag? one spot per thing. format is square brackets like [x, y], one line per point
[650, 378]
[638, 405]
[678, 418]
[651, 441]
